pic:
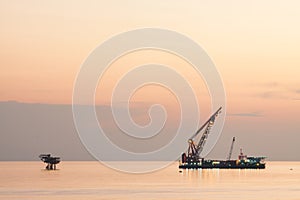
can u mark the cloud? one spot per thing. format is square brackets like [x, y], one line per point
[271, 95]
[288, 94]
[296, 95]
[275, 90]
[271, 84]
[272, 90]
[246, 114]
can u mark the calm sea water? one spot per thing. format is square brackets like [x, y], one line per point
[92, 180]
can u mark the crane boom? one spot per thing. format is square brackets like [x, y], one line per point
[203, 126]
[195, 150]
[231, 148]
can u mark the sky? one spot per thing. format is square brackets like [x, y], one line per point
[255, 46]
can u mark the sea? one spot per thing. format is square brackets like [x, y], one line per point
[93, 180]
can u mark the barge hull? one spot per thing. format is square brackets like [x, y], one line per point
[249, 163]
[262, 166]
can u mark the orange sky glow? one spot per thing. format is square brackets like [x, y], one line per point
[255, 46]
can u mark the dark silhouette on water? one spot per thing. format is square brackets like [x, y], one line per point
[192, 159]
[51, 161]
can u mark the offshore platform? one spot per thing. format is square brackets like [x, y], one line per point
[192, 159]
[50, 161]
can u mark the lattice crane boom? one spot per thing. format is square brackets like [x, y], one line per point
[195, 149]
[231, 148]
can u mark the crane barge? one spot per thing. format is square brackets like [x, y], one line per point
[193, 160]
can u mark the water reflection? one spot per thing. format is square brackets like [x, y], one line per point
[211, 177]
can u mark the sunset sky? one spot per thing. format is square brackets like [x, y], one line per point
[255, 45]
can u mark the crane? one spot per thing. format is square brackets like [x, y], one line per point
[231, 148]
[195, 149]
